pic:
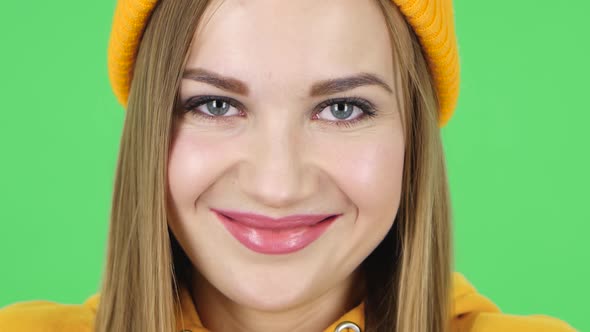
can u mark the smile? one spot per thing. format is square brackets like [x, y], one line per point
[268, 235]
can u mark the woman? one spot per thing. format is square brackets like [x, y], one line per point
[281, 169]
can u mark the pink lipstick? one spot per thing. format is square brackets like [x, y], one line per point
[268, 235]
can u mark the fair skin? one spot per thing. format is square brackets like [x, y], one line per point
[279, 154]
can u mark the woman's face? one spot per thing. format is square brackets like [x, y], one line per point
[273, 144]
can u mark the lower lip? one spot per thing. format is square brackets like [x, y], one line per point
[272, 241]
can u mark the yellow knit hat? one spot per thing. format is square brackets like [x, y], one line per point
[432, 20]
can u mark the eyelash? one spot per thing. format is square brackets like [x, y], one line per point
[364, 105]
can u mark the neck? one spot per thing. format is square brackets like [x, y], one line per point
[220, 314]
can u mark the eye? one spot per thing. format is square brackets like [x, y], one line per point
[344, 110]
[211, 106]
[340, 111]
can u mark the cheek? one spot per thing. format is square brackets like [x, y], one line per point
[369, 173]
[193, 165]
[377, 187]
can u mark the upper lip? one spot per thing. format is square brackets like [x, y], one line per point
[261, 221]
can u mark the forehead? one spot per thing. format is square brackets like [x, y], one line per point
[292, 42]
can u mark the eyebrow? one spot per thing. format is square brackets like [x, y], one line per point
[335, 85]
[223, 82]
[319, 88]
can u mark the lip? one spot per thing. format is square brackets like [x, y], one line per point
[269, 235]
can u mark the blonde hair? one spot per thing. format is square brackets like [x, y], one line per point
[407, 275]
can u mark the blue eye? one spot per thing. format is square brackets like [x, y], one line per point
[345, 111]
[340, 111]
[217, 107]
[213, 106]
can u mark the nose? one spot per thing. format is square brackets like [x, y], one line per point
[277, 171]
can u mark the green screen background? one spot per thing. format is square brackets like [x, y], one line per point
[517, 150]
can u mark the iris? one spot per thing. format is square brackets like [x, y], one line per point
[341, 110]
[218, 107]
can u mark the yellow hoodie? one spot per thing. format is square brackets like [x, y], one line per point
[472, 313]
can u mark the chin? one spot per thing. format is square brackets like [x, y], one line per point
[269, 292]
